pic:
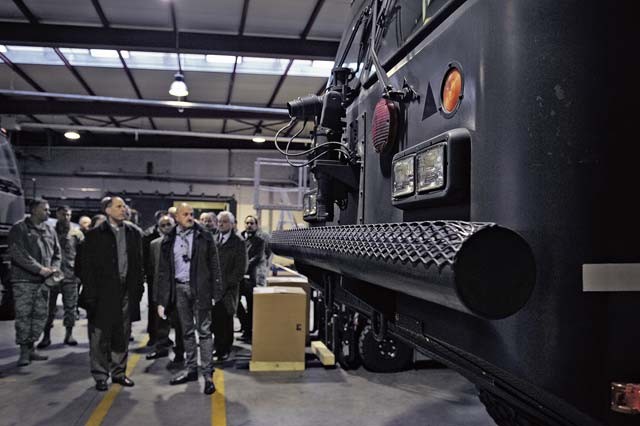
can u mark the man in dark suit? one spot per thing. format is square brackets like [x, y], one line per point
[189, 281]
[257, 271]
[163, 343]
[113, 283]
[150, 234]
[233, 261]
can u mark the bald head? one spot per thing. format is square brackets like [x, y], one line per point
[184, 215]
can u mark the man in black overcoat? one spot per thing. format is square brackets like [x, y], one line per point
[189, 281]
[233, 261]
[113, 283]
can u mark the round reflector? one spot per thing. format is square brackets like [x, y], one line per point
[451, 90]
[384, 125]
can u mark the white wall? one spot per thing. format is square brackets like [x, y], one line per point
[186, 165]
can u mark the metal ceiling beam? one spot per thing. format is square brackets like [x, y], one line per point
[16, 69]
[101, 14]
[312, 19]
[164, 41]
[39, 138]
[81, 80]
[102, 105]
[243, 19]
[26, 11]
[243, 22]
[139, 132]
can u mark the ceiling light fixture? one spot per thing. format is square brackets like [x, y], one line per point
[72, 135]
[178, 87]
[257, 137]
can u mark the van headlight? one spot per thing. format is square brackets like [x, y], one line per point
[310, 204]
[430, 166]
[403, 177]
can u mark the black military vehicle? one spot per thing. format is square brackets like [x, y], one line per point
[11, 211]
[474, 174]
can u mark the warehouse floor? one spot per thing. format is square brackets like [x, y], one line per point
[60, 391]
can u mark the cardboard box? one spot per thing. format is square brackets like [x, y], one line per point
[279, 325]
[295, 281]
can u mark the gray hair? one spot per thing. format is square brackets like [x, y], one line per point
[228, 214]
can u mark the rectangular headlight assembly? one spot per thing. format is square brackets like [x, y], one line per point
[403, 177]
[441, 169]
[431, 168]
[309, 204]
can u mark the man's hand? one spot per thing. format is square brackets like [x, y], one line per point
[45, 272]
[161, 313]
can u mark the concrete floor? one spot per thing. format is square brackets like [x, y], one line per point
[60, 391]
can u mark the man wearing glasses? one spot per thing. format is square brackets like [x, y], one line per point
[189, 281]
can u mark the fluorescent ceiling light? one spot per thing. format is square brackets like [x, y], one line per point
[136, 54]
[26, 48]
[328, 65]
[221, 59]
[74, 51]
[72, 135]
[104, 53]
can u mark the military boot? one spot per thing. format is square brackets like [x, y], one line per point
[46, 340]
[68, 337]
[25, 352]
[35, 356]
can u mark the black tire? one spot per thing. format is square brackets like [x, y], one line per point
[387, 356]
[503, 413]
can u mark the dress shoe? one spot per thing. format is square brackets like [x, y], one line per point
[220, 358]
[184, 377]
[209, 387]
[245, 338]
[123, 380]
[158, 354]
[101, 385]
[176, 364]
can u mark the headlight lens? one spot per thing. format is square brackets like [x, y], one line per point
[309, 204]
[403, 177]
[431, 171]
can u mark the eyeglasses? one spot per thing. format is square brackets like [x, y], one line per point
[249, 223]
[165, 225]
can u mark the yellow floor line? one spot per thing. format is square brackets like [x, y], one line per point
[218, 408]
[100, 412]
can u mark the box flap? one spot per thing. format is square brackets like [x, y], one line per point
[278, 290]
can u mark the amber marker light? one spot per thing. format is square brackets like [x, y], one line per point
[451, 90]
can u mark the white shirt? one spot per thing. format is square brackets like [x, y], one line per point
[222, 238]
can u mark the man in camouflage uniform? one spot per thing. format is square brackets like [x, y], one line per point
[35, 256]
[69, 239]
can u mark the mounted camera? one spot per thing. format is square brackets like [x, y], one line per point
[330, 159]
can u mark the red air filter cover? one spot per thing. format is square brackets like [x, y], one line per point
[384, 125]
